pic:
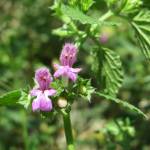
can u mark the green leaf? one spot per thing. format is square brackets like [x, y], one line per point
[62, 32]
[113, 71]
[85, 88]
[77, 15]
[58, 85]
[10, 98]
[141, 25]
[86, 4]
[124, 7]
[25, 99]
[83, 4]
[17, 97]
[72, 2]
[125, 104]
[131, 6]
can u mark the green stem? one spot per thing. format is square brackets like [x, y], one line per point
[25, 130]
[68, 131]
[106, 15]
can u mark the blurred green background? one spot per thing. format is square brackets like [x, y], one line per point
[26, 43]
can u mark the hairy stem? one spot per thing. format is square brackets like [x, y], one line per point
[68, 131]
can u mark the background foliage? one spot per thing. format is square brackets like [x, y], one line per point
[32, 33]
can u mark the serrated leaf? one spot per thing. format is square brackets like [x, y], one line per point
[58, 85]
[124, 7]
[10, 98]
[141, 25]
[25, 99]
[78, 15]
[86, 4]
[113, 71]
[125, 104]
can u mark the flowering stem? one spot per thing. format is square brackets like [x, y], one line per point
[68, 131]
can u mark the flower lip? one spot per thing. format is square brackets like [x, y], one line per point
[67, 71]
[42, 102]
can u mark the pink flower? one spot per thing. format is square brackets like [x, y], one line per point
[67, 58]
[103, 38]
[43, 91]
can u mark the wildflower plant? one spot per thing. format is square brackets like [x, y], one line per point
[56, 93]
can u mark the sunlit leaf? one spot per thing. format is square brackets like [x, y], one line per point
[125, 104]
[141, 24]
[78, 15]
[75, 14]
[25, 99]
[113, 71]
[10, 98]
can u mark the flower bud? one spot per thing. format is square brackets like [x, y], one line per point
[103, 38]
[62, 102]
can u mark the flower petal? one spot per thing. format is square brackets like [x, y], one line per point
[59, 72]
[45, 104]
[35, 92]
[50, 92]
[76, 70]
[36, 104]
[72, 76]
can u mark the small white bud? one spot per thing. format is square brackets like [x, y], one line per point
[62, 102]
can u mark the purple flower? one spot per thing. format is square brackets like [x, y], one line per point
[104, 38]
[68, 55]
[43, 91]
[67, 59]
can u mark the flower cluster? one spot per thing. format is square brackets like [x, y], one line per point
[42, 91]
[43, 78]
[67, 59]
